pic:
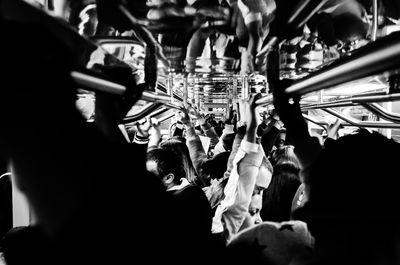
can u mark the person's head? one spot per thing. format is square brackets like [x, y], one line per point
[349, 27]
[262, 182]
[253, 216]
[285, 154]
[216, 166]
[20, 243]
[277, 199]
[281, 139]
[352, 191]
[167, 165]
[178, 145]
[227, 141]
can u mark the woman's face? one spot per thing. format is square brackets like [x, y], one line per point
[253, 216]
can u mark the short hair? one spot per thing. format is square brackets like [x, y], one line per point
[167, 162]
[285, 154]
[216, 166]
[178, 145]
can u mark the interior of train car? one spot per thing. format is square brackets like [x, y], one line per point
[88, 85]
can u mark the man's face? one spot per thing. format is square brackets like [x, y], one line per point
[151, 167]
[280, 141]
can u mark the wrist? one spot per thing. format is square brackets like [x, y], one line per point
[278, 124]
[252, 124]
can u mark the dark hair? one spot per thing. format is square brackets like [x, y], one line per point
[167, 162]
[227, 141]
[180, 148]
[349, 27]
[21, 244]
[353, 195]
[278, 197]
[284, 154]
[216, 166]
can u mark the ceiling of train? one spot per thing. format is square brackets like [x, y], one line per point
[208, 36]
[311, 33]
[203, 39]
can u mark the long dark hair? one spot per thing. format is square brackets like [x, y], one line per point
[277, 198]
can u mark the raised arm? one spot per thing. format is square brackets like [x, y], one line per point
[270, 134]
[196, 151]
[155, 134]
[307, 148]
[233, 209]
[206, 127]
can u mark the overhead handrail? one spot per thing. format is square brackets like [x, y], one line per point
[374, 19]
[266, 100]
[376, 98]
[323, 124]
[160, 98]
[166, 117]
[99, 84]
[142, 113]
[132, 119]
[304, 11]
[365, 124]
[381, 112]
[376, 57]
[353, 100]
[158, 112]
[333, 104]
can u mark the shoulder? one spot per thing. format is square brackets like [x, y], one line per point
[273, 241]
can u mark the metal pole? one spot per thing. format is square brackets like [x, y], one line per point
[374, 19]
[185, 89]
[142, 113]
[97, 84]
[376, 57]
[298, 13]
[160, 98]
[375, 98]
[267, 100]
[245, 87]
[166, 117]
[334, 104]
[365, 124]
[323, 124]
[381, 112]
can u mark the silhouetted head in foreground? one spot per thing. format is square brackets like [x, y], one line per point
[353, 207]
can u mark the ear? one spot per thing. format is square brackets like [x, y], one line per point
[169, 178]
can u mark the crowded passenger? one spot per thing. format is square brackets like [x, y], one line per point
[346, 230]
[189, 199]
[216, 191]
[278, 197]
[247, 178]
